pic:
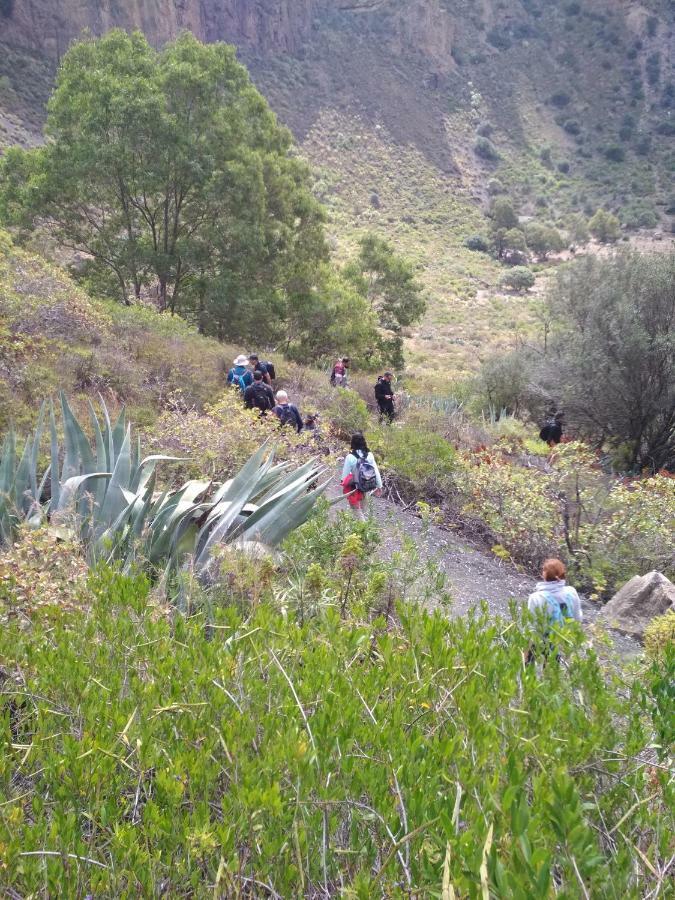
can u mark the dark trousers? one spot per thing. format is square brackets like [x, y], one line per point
[386, 409]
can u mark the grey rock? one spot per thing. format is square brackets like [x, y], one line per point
[638, 602]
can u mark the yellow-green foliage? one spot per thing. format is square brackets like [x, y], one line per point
[41, 570]
[633, 533]
[609, 529]
[514, 503]
[660, 633]
[220, 439]
[422, 462]
[347, 412]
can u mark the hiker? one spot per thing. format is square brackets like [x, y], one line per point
[267, 368]
[286, 412]
[385, 397]
[311, 421]
[556, 599]
[338, 375]
[552, 431]
[360, 476]
[240, 375]
[259, 395]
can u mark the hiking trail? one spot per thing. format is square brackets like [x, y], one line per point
[474, 574]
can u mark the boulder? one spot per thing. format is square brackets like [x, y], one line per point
[639, 601]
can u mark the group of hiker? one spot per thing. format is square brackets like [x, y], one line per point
[361, 478]
[255, 378]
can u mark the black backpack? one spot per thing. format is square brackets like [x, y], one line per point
[365, 477]
[261, 399]
[270, 370]
[287, 416]
[545, 433]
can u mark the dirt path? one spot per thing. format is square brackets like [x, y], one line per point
[473, 573]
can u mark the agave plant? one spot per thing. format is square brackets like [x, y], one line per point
[257, 508]
[105, 496]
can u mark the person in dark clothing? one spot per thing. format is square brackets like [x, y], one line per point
[259, 395]
[385, 397]
[552, 431]
[286, 412]
[259, 366]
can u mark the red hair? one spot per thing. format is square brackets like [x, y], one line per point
[553, 570]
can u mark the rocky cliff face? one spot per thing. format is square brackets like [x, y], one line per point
[263, 26]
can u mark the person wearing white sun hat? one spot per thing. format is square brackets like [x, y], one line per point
[240, 375]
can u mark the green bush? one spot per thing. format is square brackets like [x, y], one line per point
[347, 413]
[286, 755]
[614, 153]
[477, 243]
[484, 148]
[660, 633]
[605, 227]
[519, 279]
[421, 462]
[560, 99]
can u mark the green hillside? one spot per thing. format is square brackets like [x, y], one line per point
[414, 116]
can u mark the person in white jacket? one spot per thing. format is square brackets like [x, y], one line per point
[556, 599]
[554, 595]
[358, 499]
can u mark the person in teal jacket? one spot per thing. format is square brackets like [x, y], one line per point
[240, 375]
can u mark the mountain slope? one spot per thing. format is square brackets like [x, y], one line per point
[391, 99]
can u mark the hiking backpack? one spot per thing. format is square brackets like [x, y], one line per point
[270, 370]
[365, 477]
[558, 613]
[261, 399]
[287, 416]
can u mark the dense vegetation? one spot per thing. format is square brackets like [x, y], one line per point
[306, 729]
[171, 176]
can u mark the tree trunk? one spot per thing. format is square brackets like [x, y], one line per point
[162, 293]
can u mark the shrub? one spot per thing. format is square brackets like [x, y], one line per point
[604, 227]
[653, 68]
[499, 38]
[640, 215]
[543, 239]
[347, 413]
[615, 353]
[563, 167]
[485, 129]
[477, 243]
[560, 99]
[494, 187]
[421, 463]
[211, 738]
[502, 383]
[484, 148]
[571, 126]
[503, 214]
[519, 279]
[660, 633]
[577, 227]
[614, 153]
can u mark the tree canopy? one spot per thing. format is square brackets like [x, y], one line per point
[168, 169]
[394, 294]
[614, 354]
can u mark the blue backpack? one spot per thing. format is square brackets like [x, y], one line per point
[558, 613]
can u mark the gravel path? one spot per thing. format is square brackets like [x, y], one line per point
[473, 573]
